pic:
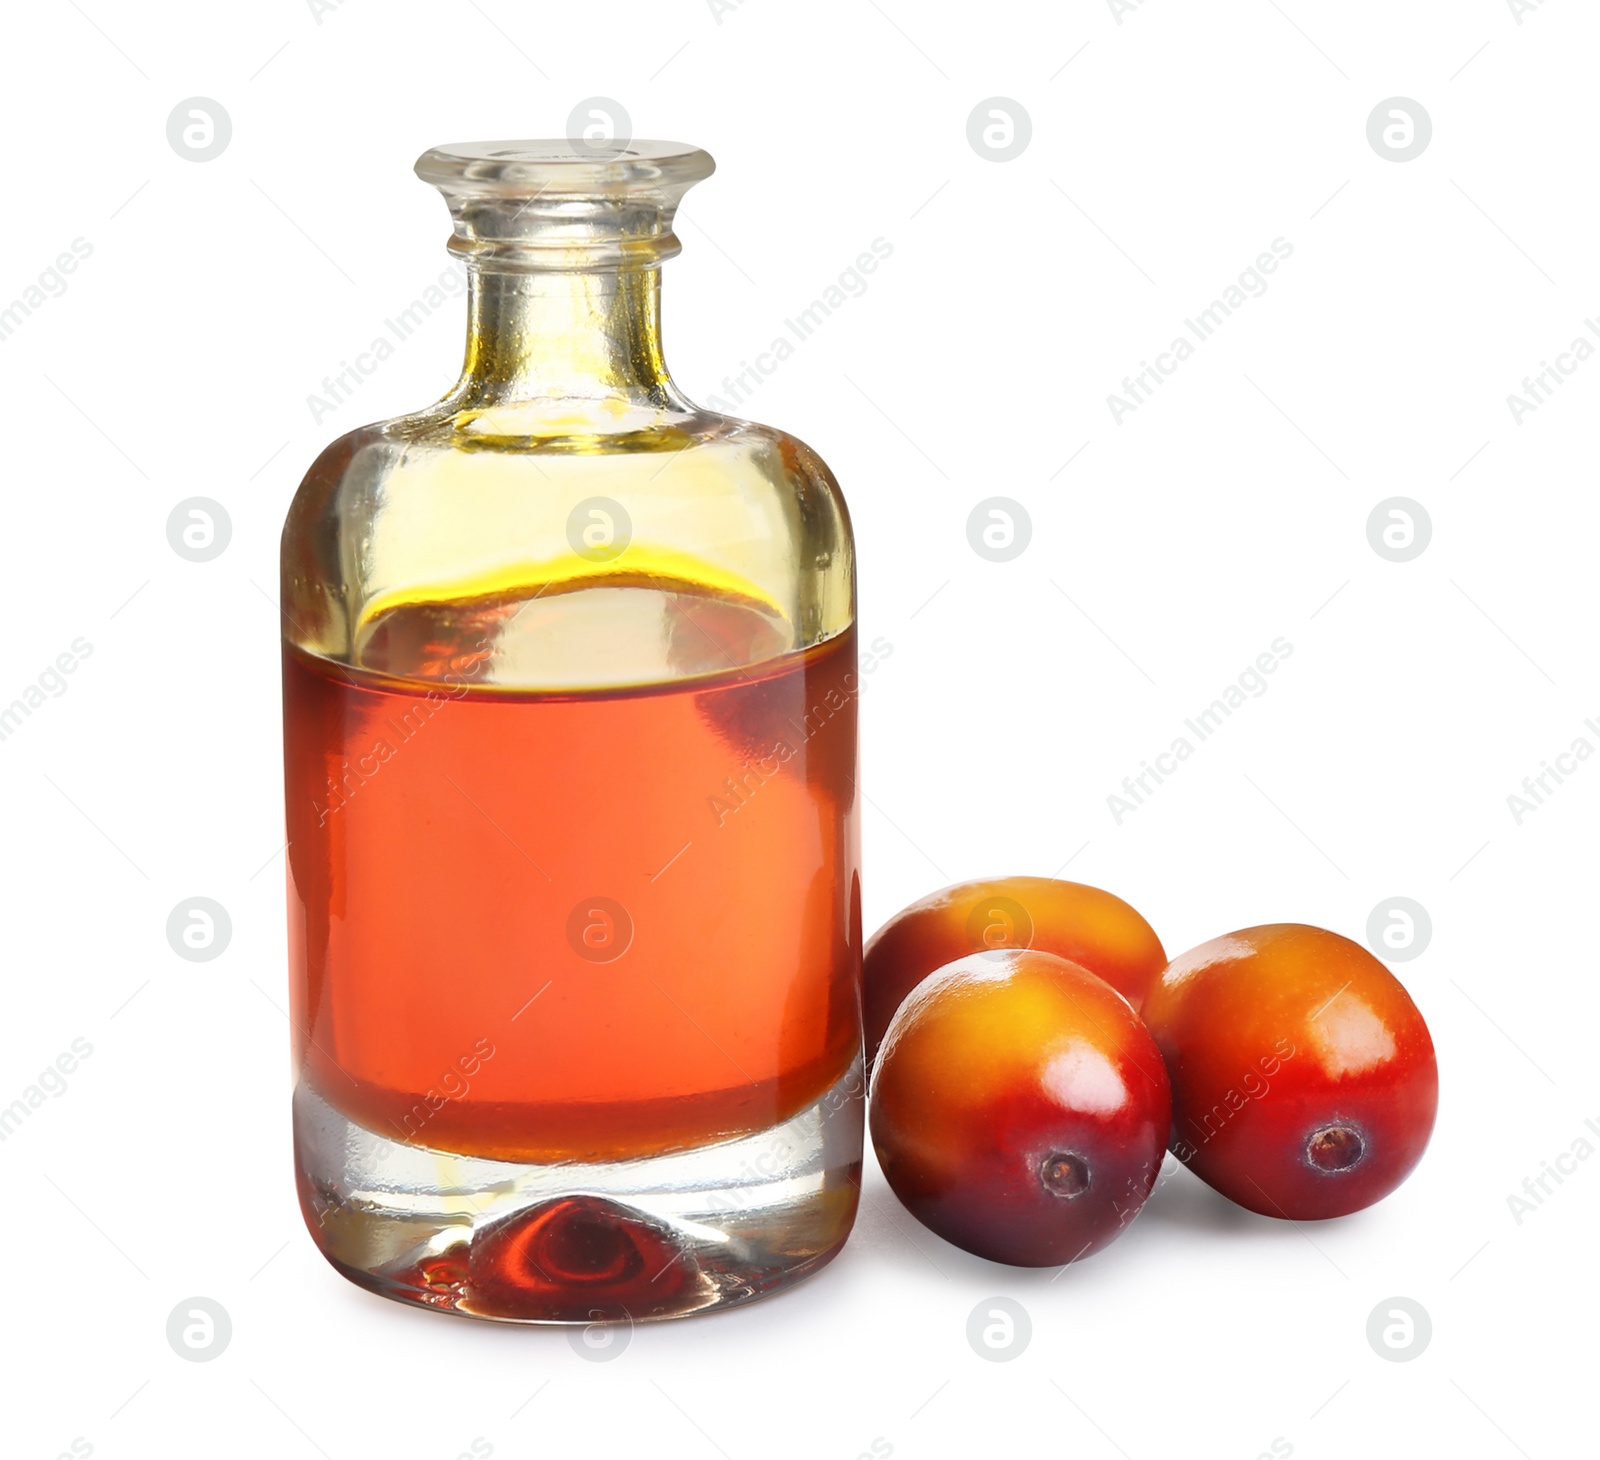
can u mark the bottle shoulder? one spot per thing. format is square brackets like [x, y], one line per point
[452, 504]
[439, 448]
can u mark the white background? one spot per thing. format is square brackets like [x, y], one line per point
[1168, 149]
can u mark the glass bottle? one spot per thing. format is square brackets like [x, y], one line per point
[570, 767]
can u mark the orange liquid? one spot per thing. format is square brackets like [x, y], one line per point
[578, 926]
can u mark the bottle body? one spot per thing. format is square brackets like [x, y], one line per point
[574, 895]
[497, 958]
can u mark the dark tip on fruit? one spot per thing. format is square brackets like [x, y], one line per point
[1335, 1148]
[1065, 1174]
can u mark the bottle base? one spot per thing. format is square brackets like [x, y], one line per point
[625, 1241]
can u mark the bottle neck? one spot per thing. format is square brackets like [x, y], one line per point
[548, 337]
[564, 240]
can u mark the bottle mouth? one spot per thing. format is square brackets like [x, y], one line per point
[533, 206]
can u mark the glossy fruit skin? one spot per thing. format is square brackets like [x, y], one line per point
[1004, 1073]
[1288, 1045]
[1084, 925]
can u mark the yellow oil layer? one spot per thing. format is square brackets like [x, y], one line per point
[663, 569]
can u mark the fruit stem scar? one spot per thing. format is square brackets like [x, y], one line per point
[1065, 1174]
[1335, 1148]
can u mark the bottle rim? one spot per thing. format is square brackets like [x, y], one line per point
[565, 167]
